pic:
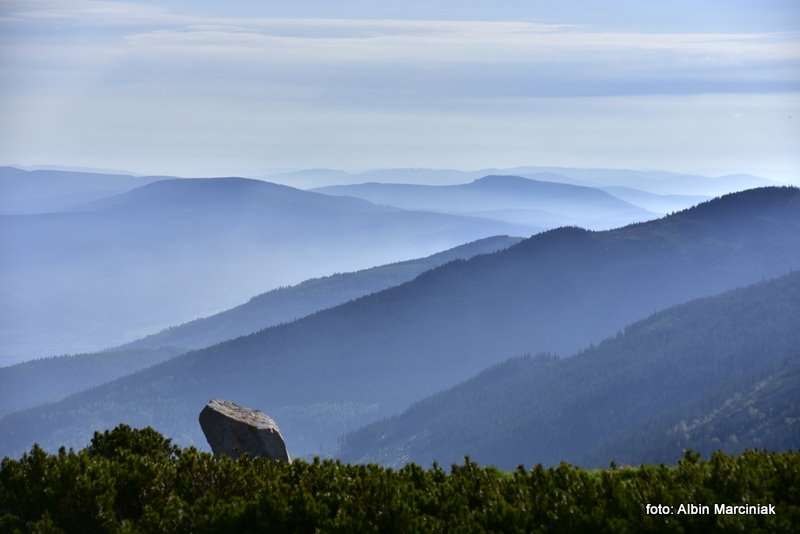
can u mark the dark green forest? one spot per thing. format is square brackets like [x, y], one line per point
[136, 481]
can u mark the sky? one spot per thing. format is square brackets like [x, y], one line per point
[208, 88]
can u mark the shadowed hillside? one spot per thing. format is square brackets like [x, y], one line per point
[718, 372]
[46, 380]
[289, 303]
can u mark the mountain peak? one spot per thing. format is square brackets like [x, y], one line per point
[203, 193]
[501, 180]
[517, 180]
[223, 182]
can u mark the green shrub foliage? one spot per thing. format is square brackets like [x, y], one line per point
[136, 481]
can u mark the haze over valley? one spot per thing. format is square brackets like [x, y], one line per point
[49, 379]
[133, 252]
[558, 292]
[174, 250]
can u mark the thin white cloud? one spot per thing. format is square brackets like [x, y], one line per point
[112, 80]
[460, 42]
[85, 11]
[394, 39]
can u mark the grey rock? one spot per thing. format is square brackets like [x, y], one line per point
[234, 430]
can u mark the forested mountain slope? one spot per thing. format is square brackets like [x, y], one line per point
[32, 383]
[36, 382]
[343, 367]
[717, 372]
[763, 414]
[285, 304]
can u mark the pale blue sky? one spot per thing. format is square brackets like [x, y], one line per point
[210, 88]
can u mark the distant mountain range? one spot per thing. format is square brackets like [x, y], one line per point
[540, 201]
[286, 304]
[50, 189]
[46, 380]
[124, 266]
[719, 372]
[43, 191]
[662, 204]
[338, 369]
[659, 182]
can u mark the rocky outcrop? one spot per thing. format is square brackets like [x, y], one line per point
[234, 430]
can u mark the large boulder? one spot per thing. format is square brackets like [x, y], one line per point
[234, 430]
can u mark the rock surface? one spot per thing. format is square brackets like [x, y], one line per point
[234, 430]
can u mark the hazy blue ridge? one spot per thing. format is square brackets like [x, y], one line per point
[122, 267]
[339, 369]
[32, 383]
[43, 191]
[542, 200]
